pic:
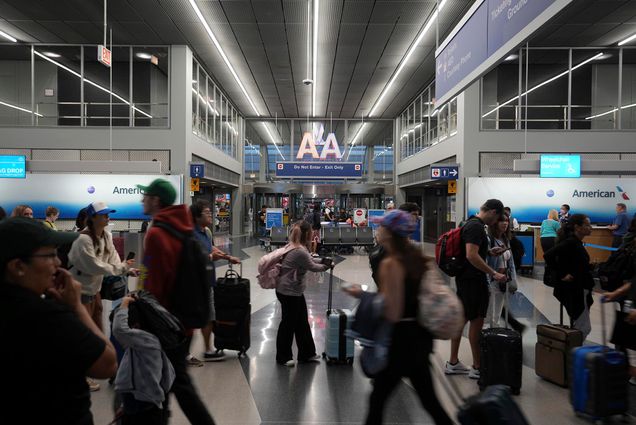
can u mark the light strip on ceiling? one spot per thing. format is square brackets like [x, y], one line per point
[410, 52]
[272, 139]
[315, 58]
[104, 89]
[610, 112]
[627, 40]
[223, 55]
[19, 108]
[355, 138]
[548, 81]
[8, 37]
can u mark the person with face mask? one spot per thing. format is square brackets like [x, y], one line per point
[564, 214]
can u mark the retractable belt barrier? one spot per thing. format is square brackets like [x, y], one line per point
[606, 248]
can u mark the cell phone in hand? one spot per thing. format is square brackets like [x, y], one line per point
[130, 256]
[327, 261]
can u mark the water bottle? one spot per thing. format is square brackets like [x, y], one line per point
[627, 306]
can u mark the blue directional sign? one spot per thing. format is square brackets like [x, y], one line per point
[197, 170]
[449, 172]
[560, 166]
[323, 170]
[12, 167]
[273, 218]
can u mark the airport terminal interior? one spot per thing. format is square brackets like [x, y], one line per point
[271, 110]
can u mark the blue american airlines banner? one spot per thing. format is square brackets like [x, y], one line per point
[531, 198]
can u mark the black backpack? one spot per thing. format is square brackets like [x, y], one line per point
[618, 268]
[154, 318]
[191, 296]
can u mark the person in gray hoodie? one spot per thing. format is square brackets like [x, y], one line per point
[145, 374]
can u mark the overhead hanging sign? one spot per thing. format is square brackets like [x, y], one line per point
[560, 166]
[448, 172]
[322, 170]
[532, 198]
[72, 192]
[483, 37]
[104, 55]
[311, 141]
[12, 167]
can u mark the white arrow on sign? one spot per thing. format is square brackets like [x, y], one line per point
[453, 173]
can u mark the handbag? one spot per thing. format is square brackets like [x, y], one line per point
[440, 310]
[114, 287]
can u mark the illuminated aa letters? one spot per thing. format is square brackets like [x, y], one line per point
[310, 141]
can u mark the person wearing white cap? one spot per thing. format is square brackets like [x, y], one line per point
[94, 256]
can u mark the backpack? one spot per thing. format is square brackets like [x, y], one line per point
[270, 267]
[439, 311]
[618, 268]
[155, 319]
[449, 252]
[191, 295]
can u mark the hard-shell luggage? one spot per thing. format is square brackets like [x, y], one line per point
[552, 351]
[338, 348]
[233, 312]
[492, 407]
[501, 356]
[599, 380]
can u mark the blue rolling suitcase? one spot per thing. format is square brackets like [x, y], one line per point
[599, 380]
[338, 348]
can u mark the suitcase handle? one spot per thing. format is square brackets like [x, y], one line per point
[233, 272]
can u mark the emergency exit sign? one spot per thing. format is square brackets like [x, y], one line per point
[104, 55]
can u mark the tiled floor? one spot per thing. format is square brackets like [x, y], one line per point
[255, 390]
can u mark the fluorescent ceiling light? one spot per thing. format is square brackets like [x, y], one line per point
[19, 108]
[548, 81]
[511, 57]
[272, 139]
[410, 52]
[142, 55]
[223, 55]
[7, 36]
[315, 58]
[355, 138]
[610, 112]
[627, 40]
[52, 55]
[104, 89]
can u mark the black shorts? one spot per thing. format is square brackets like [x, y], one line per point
[474, 294]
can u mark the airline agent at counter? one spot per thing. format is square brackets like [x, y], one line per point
[620, 225]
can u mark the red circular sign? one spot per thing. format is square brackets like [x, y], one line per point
[359, 212]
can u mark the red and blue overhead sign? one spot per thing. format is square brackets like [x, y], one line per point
[322, 170]
[492, 24]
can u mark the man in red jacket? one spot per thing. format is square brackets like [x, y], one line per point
[162, 253]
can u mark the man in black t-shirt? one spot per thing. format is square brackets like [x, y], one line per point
[472, 283]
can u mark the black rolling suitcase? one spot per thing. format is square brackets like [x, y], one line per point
[233, 312]
[492, 407]
[501, 356]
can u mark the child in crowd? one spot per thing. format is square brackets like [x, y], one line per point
[145, 374]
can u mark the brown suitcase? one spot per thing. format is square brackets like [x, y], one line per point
[552, 351]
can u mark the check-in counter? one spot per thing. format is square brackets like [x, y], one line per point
[600, 235]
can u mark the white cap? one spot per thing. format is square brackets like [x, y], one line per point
[99, 208]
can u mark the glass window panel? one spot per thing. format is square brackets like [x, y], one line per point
[500, 91]
[594, 89]
[15, 85]
[547, 89]
[433, 118]
[58, 68]
[217, 119]
[628, 90]
[151, 86]
[203, 107]
[97, 88]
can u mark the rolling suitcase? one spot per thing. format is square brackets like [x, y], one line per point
[501, 356]
[233, 312]
[338, 348]
[492, 407]
[552, 351]
[599, 376]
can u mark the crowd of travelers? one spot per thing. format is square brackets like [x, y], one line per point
[50, 283]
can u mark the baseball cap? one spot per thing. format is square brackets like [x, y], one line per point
[161, 188]
[98, 207]
[26, 236]
[493, 204]
[399, 222]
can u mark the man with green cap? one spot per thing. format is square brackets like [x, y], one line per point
[40, 308]
[162, 253]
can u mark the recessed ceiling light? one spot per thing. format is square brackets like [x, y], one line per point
[627, 40]
[142, 55]
[7, 36]
[51, 54]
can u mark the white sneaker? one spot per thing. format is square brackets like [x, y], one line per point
[455, 369]
[632, 380]
[474, 373]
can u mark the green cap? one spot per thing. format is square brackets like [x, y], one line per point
[22, 236]
[161, 188]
